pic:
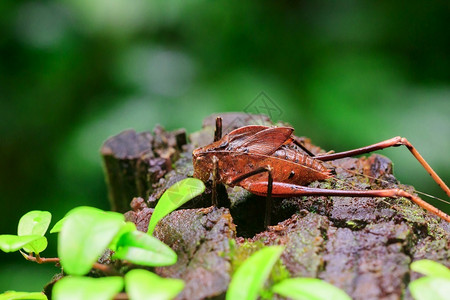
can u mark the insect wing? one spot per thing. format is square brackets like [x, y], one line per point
[238, 136]
[266, 141]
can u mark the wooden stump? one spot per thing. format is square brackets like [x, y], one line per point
[133, 162]
[362, 245]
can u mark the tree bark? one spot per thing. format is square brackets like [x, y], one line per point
[361, 245]
[133, 162]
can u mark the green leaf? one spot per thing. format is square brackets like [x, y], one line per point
[309, 289]
[80, 288]
[143, 249]
[430, 288]
[57, 227]
[36, 246]
[142, 284]
[84, 236]
[128, 227]
[13, 295]
[174, 197]
[11, 243]
[34, 222]
[430, 268]
[249, 278]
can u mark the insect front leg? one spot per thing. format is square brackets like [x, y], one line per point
[281, 189]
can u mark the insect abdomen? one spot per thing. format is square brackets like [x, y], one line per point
[300, 168]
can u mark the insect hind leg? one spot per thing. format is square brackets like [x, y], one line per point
[281, 189]
[393, 142]
[267, 192]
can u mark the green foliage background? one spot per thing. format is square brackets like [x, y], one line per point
[74, 72]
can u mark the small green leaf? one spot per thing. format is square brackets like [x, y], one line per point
[128, 227]
[430, 268]
[36, 246]
[11, 243]
[175, 196]
[142, 285]
[309, 289]
[430, 288]
[34, 222]
[84, 236]
[57, 227]
[140, 248]
[13, 295]
[80, 288]
[249, 278]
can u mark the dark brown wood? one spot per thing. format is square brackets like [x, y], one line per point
[133, 162]
[123, 158]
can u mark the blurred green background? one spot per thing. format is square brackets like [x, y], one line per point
[74, 72]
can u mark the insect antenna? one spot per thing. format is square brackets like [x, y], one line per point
[218, 130]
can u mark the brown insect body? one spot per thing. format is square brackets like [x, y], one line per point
[267, 162]
[251, 147]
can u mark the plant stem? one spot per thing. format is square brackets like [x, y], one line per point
[121, 296]
[40, 260]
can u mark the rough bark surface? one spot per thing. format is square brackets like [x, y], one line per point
[362, 245]
[134, 161]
